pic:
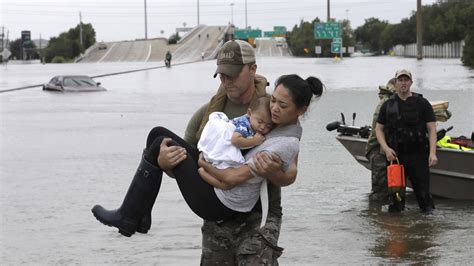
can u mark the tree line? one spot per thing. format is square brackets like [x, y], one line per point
[442, 23]
[63, 48]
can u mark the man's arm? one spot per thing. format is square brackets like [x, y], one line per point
[193, 126]
[389, 152]
[431, 126]
[170, 156]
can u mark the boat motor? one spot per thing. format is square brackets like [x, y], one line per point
[442, 132]
[347, 130]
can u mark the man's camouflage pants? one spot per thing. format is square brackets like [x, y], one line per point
[241, 242]
[378, 167]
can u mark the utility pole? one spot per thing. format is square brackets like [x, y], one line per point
[3, 39]
[40, 52]
[419, 31]
[232, 12]
[146, 26]
[245, 14]
[329, 8]
[198, 12]
[80, 30]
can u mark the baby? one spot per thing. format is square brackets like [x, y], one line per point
[222, 139]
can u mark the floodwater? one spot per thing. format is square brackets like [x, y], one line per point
[63, 153]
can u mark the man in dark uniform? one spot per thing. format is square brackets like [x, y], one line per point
[406, 128]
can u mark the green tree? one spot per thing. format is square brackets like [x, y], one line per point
[27, 49]
[67, 44]
[386, 38]
[347, 34]
[59, 46]
[404, 32]
[468, 52]
[301, 39]
[174, 38]
[88, 35]
[15, 48]
[370, 33]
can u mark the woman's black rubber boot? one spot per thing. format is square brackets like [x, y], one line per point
[142, 191]
[145, 222]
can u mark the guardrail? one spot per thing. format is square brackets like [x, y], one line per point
[445, 50]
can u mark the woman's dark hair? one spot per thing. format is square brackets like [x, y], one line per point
[301, 90]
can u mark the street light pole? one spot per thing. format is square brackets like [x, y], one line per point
[329, 8]
[80, 29]
[198, 10]
[419, 31]
[232, 12]
[146, 26]
[245, 14]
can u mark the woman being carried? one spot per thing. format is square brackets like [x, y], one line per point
[290, 99]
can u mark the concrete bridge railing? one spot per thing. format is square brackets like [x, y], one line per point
[445, 50]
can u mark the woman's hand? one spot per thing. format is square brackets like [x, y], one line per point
[266, 165]
[202, 162]
[170, 156]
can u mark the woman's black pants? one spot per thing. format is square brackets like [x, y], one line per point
[198, 194]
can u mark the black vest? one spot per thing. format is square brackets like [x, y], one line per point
[404, 128]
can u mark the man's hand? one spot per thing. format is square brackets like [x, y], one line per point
[170, 156]
[266, 165]
[433, 159]
[390, 154]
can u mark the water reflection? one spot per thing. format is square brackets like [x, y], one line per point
[407, 237]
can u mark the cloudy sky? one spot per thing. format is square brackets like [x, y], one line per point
[116, 20]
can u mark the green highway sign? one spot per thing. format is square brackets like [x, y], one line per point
[247, 33]
[336, 47]
[327, 30]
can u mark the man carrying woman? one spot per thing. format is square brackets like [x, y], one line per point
[224, 241]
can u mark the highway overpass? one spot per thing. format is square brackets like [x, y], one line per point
[201, 41]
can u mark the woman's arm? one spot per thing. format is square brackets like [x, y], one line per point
[212, 180]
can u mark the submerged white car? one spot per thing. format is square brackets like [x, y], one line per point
[72, 84]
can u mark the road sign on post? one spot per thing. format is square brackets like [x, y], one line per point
[327, 30]
[6, 54]
[317, 50]
[336, 47]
